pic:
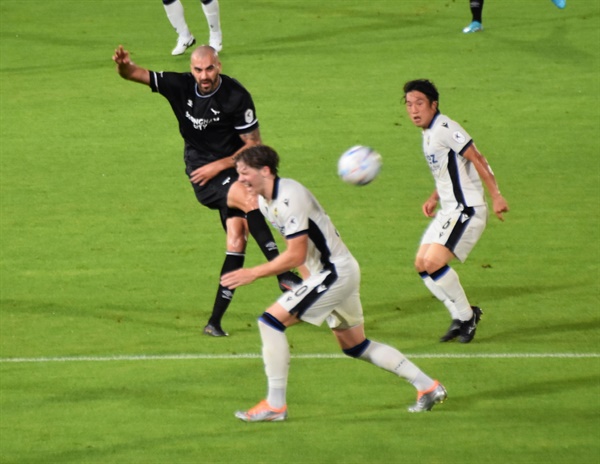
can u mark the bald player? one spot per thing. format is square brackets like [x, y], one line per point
[217, 120]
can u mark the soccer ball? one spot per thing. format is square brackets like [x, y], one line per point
[359, 165]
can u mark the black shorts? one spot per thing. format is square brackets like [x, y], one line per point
[213, 194]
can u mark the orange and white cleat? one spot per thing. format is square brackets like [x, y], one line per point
[263, 412]
[429, 398]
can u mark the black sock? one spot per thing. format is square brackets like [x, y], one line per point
[476, 10]
[232, 262]
[260, 230]
[262, 234]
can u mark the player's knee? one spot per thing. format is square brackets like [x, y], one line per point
[251, 201]
[358, 350]
[419, 265]
[432, 266]
[239, 197]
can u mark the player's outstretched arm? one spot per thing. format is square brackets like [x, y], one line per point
[292, 257]
[484, 170]
[127, 69]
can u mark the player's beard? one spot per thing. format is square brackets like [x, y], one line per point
[208, 85]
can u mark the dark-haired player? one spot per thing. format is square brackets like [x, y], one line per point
[217, 120]
[458, 170]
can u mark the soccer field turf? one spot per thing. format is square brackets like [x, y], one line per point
[109, 266]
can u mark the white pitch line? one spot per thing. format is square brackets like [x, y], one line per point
[163, 357]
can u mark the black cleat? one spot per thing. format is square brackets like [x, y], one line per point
[468, 328]
[453, 331]
[288, 281]
[214, 331]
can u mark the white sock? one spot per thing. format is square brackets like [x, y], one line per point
[441, 295]
[392, 360]
[449, 283]
[276, 356]
[211, 11]
[176, 17]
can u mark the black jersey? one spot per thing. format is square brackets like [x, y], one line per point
[210, 124]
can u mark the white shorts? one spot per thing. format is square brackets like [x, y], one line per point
[330, 295]
[457, 230]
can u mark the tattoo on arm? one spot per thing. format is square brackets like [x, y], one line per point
[251, 138]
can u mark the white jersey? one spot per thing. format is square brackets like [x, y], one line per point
[456, 179]
[295, 211]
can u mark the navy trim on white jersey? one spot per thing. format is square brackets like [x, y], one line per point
[316, 236]
[455, 178]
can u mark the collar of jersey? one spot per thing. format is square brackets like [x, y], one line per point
[275, 188]
[435, 116]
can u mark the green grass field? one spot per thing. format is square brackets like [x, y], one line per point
[109, 266]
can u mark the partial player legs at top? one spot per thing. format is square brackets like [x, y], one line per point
[213, 18]
[185, 39]
[476, 24]
[176, 16]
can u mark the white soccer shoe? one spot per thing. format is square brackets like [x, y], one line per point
[216, 41]
[183, 44]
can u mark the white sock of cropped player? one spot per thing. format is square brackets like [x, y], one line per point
[392, 360]
[440, 295]
[211, 11]
[176, 17]
[276, 356]
[447, 280]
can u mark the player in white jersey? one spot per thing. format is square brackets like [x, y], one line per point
[329, 291]
[458, 170]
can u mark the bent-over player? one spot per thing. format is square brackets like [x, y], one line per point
[329, 291]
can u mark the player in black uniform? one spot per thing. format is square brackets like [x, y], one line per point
[217, 120]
